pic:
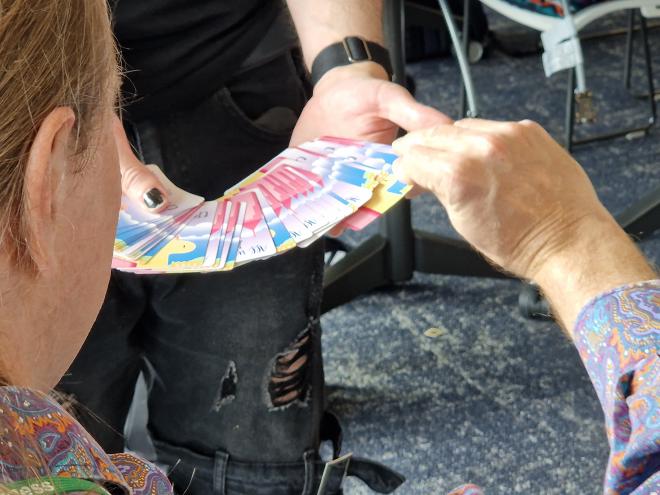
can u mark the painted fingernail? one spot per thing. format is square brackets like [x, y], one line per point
[153, 198]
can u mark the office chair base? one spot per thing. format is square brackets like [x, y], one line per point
[371, 265]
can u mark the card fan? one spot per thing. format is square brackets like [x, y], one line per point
[290, 202]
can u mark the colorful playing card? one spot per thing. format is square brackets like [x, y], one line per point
[136, 222]
[385, 196]
[276, 198]
[147, 251]
[218, 230]
[255, 241]
[232, 238]
[187, 250]
[147, 244]
[296, 201]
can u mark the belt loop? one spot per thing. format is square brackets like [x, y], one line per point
[220, 473]
[310, 472]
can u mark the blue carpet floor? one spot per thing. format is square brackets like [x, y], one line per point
[494, 399]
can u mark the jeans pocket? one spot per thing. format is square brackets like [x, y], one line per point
[274, 123]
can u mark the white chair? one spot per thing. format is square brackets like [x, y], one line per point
[560, 23]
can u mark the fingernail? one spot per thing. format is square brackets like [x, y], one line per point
[153, 198]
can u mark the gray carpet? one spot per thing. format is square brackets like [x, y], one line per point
[494, 399]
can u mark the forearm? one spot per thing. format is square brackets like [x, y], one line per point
[323, 22]
[600, 257]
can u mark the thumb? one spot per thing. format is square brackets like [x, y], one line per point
[137, 181]
[398, 106]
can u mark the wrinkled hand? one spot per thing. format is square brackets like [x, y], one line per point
[358, 102]
[137, 181]
[509, 188]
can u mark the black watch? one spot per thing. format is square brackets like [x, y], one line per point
[350, 50]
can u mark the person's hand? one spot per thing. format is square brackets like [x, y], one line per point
[513, 193]
[358, 102]
[137, 181]
[508, 188]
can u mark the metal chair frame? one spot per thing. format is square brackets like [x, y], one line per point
[563, 50]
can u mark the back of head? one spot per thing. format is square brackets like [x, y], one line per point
[52, 53]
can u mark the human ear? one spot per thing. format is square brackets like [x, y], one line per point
[45, 170]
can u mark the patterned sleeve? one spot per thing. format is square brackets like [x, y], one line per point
[618, 336]
[143, 477]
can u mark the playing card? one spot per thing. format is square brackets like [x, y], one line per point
[281, 236]
[276, 198]
[232, 238]
[136, 222]
[138, 249]
[187, 250]
[255, 241]
[295, 200]
[143, 254]
[303, 193]
[218, 230]
[334, 207]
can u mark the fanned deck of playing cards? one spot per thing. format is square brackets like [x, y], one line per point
[293, 200]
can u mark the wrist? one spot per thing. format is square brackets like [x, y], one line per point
[598, 257]
[366, 69]
[351, 51]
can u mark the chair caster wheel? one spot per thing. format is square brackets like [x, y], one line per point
[475, 52]
[532, 304]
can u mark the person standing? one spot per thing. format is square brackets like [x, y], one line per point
[212, 90]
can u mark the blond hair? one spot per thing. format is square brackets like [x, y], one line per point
[52, 53]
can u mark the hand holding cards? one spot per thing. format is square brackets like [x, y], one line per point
[293, 200]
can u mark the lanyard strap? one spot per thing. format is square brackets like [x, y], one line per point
[47, 486]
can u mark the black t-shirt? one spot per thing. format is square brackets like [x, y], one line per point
[179, 51]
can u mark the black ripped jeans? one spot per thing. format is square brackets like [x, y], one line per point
[215, 342]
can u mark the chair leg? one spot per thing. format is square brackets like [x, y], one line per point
[569, 126]
[629, 49]
[634, 132]
[465, 46]
[649, 69]
[463, 63]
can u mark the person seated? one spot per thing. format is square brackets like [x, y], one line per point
[513, 193]
[59, 198]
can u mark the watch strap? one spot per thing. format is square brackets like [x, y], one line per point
[350, 50]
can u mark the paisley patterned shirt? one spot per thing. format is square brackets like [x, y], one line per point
[39, 439]
[618, 338]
